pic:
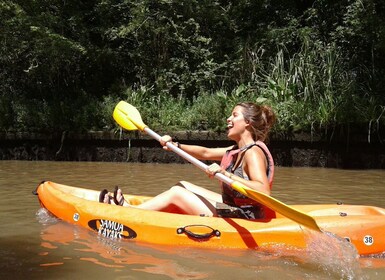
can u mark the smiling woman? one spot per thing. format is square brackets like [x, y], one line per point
[248, 162]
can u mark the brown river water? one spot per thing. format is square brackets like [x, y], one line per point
[34, 245]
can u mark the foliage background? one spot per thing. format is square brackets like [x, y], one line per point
[184, 64]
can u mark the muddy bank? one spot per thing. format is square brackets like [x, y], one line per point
[298, 150]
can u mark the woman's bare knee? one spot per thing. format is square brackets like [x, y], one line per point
[201, 192]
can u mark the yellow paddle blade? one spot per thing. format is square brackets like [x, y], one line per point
[128, 117]
[277, 206]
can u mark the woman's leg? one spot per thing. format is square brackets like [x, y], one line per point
[211, 196]
[183, 199]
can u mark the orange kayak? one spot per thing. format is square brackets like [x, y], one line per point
[362, 226]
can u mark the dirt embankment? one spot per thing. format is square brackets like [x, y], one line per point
[297, 150]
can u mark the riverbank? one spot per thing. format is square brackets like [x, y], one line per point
[300, 150]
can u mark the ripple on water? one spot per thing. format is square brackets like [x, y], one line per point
[45, 218]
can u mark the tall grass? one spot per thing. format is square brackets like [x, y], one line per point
[310, 91]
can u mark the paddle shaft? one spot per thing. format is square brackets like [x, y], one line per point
[187, 156]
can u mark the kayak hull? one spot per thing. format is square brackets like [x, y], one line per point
[363, 226]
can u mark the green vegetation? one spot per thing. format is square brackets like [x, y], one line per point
[184, 64]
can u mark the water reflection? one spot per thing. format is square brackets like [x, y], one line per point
[323, 259]
[92, 249]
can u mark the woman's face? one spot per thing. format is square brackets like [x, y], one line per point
[236, 123]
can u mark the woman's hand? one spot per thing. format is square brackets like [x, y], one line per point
[214, 169]
[163, 141]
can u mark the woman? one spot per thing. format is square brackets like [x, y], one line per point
[248, 161]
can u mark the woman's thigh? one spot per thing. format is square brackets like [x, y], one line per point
[211, 196]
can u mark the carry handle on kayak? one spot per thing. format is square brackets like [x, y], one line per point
[189, 230]
[128, 117]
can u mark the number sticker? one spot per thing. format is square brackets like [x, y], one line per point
[76, 217]
[368, 240]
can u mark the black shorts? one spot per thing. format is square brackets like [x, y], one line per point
[244, 212]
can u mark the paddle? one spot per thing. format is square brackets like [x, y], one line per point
[129, 118]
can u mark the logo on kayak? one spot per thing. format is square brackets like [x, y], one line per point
[111, 229]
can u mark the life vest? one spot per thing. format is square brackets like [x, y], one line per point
[231, 196]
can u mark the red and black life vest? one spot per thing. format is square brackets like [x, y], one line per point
[231, 196]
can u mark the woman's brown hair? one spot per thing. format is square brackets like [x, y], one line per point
[260, 117]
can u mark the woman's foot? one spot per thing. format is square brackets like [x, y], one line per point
[104, 197]
[118, 196]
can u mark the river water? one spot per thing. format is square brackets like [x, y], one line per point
[34, 245]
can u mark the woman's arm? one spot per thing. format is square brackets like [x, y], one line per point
[199, 152]
[255, 166]
[204, 153]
